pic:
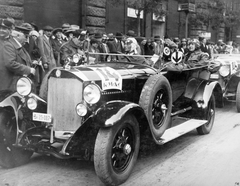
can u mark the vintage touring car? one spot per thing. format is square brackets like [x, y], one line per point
[99, 112]
[228, 77]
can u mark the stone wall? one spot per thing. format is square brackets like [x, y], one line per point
[12, 8]
[95, 12]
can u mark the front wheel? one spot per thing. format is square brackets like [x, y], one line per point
[210, 116]
[238, 97]
[116, 150]
[10, 156]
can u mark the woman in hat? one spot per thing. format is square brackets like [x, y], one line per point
[131, 51]
[57, 42]
[196, 57]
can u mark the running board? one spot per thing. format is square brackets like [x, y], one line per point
[180, 130]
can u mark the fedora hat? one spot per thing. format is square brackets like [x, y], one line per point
[56, 30]
[34, 26]
[74, 27]
[6, 23]
[65, 25]
[156, 38]
[118, 35]
[131, 33]
[97, 35]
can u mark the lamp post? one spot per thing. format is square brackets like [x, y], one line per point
[187, 6]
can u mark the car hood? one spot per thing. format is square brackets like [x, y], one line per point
[226, 59]
[110, 70]
[111, 75]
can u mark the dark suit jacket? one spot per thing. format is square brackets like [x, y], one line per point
[14, 62]
[56, 45]
[115, 46]
[205, 49]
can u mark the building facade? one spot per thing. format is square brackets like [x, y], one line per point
[102, 16]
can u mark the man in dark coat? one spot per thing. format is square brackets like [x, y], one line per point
[71, 47]
[46, 51]
[203, 46]
[14, 61]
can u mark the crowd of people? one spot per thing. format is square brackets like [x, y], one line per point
[26, 50]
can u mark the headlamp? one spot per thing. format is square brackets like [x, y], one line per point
[32, 103]
[91, 93]
[76, 58]
[224, 70]
[24, 86]
[81, 109]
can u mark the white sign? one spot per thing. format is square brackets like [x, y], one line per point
[42, 117]
[206, 35]
[111, 79]
[166, 51]
[176, 57]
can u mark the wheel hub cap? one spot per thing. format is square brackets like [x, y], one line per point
[127, 149]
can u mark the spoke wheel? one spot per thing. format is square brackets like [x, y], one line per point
[116, 150]
[238, 97]
[159, 108]
[210, 116]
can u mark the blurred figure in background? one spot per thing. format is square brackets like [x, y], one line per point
[149, 47]
[158, 45]
[94, 48]
[235, 48]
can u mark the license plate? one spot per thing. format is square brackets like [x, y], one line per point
[42, 117]
[214, 76]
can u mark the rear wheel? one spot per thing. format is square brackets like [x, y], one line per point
[210, 116]
[10, 156]
[116, 150]
[238, 97]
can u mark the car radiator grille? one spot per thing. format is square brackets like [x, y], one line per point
[63, 96]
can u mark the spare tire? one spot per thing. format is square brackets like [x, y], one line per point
[156, 100]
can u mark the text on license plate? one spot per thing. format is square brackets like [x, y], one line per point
[42, 117]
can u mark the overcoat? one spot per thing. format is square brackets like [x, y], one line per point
[14, 63]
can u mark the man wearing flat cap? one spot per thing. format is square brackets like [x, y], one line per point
[46, 51]
[25, 28]
[14, 59]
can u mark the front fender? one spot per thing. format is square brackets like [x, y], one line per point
[108, 115]
[204, 93]
[10, 99]
[112, 112]
[232, 84]
[15, 103]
